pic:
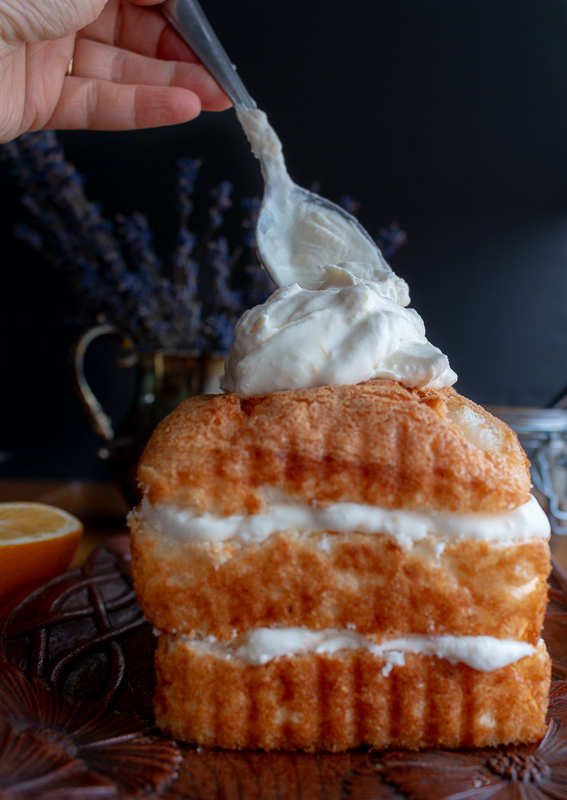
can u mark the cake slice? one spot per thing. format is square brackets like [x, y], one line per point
[342, 566]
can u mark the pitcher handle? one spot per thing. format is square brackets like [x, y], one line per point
[100, 421]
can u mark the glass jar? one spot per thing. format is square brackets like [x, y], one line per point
[543, 435]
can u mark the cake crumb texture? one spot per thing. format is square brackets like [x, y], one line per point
[473, 588]
[340, 701]
[377, 442]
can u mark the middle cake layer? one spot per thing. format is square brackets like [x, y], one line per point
[356, 581]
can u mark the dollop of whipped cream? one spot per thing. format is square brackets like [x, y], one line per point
[351, 327]
[332, 321]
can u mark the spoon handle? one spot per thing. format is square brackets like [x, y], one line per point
[188, 19]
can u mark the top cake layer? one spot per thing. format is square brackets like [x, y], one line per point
[376, 443]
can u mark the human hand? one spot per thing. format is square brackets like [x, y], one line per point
[130, 68]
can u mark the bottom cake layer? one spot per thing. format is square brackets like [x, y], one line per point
[322, 701]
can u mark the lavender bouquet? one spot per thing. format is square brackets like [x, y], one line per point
[189, 305]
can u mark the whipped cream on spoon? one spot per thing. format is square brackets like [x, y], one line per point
[297, 230]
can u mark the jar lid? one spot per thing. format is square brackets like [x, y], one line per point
[524, 419]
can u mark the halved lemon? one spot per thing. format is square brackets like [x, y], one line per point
[37, 542]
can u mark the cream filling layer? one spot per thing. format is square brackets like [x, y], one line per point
[481, 653]
[528, 521]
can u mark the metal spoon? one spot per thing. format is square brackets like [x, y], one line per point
[190, 22]
[297, 230]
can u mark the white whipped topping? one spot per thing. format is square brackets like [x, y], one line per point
[482, 653]
[528, 521]
[347, 331]
[338, 317]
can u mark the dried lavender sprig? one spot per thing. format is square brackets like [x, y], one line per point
[221, 194]
[187, 173]
[251, 208]
[155, 308]
[220, 329]
[74, 235]
[219, 261]
[57, 185]
[390, 239]
[53, 192]
[226, 306]
[258, 285]
[221, 203]
[350, 205]
[58, 195]
[184, 267]
[137, 244]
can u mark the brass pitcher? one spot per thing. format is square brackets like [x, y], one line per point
[164, 380]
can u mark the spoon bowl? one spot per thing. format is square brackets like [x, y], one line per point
[298, 230]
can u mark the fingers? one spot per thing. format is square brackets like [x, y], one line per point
[101, 105]
[141, 30]
[102, 62]
[145, 32]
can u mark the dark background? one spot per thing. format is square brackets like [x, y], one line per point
[449, 116]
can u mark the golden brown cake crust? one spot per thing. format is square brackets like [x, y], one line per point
[472, 588]
[335, 702]
[377, 442]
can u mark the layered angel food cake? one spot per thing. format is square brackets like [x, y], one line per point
[340, 566]
[341, 550]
